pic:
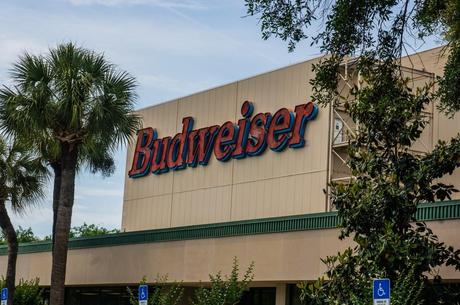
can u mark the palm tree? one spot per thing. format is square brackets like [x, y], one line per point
[22, 178]
[85, 105]
[96, 161]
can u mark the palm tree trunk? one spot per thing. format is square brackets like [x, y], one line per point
[63, 223]
[12, 240]
[56, 166]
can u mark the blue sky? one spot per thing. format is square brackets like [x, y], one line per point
[172, 47]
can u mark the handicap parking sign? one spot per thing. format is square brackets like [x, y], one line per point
[4, 296]
[381, 291]
[143, 294]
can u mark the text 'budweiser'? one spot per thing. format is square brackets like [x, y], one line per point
[249, 137]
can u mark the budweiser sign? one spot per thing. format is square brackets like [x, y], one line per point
[248, 138]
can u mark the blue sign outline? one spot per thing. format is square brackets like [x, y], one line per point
[4, 294]
[145, 296]
[381, 289]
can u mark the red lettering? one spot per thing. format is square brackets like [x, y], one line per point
[249, 137]
[177, 153]
[200, 145]
[225, 142]
[279, 129]
[242, 139]
[257, 134]
[142, 153]
[303, 113]
[159, 161]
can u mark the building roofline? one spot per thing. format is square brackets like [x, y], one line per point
[230, 82]
[267, 72]
[447, 210]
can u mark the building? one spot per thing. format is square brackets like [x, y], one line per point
[187, 212]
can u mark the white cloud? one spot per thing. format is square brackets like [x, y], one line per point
[187, 4]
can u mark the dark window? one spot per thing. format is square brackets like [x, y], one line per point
[259, 296]
[293, 295]
[89, 297]
[97, 296]
[118, 296]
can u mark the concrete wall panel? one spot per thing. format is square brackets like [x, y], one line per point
[280, 257]
[224, 191]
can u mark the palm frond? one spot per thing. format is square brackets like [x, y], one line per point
[23, 175]
[71, 95]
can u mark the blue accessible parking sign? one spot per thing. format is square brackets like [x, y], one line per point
[381, 292]
[4, 296]
[143, 294]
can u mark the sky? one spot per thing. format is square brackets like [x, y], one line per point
[172, 47]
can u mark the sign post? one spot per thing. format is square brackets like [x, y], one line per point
[4, 296]
[381, 291]
[143, 294]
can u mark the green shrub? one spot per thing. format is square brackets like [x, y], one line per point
[223, 290]
[162, 294]
[27, 292]
[226, 290]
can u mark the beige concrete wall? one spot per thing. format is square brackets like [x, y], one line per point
[444, 127]
[432, 60]
[272, 184]
[283, 257]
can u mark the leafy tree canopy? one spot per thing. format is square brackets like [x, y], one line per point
[390, 180]
[378, 30]
[23, 235]
[90, 230]
[85, 230]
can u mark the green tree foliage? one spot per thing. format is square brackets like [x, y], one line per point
[27, 292]
[90, 230]
[23, 235]
[225, 290]
[85, 230]
[449, 90]
[377, 206]
[378, 29]
[79, 105]
[161, 293]
[22, 180]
